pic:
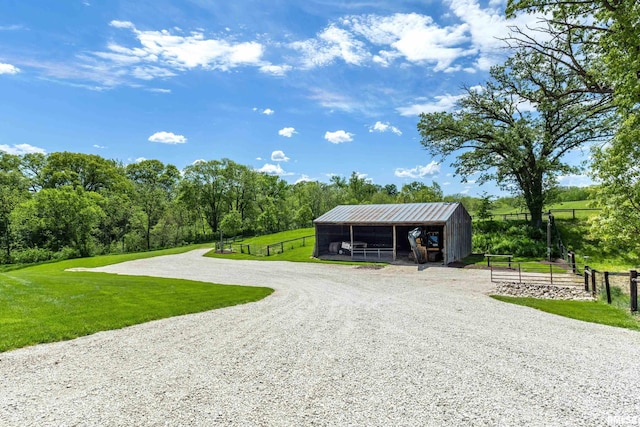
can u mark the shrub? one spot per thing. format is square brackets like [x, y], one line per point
[31, 255]
[509, 237]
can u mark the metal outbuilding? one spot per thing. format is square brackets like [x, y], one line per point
[371, 232]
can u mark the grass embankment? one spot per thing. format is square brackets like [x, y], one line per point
[44, 303]
[588, 311]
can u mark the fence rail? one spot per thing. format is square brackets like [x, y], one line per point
[527, 215]
[271, 249]
[532, 272]
[372, 254]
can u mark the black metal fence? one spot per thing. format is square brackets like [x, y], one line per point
[533, 273]
[271, 249]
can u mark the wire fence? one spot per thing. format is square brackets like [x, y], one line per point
[270, 249]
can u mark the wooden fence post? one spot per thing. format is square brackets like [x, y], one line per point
[607, 287]
[586, 278]
[268, 254]
[281, 247]
[633, 288]
[572, 260]
[593, 283]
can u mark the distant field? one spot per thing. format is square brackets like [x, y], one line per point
[579, 204]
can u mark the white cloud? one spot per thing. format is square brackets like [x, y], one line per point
[159, 90]
[259, 158]
[164, 53]
[273, 170]
[487, 26]
[287, 132]
[122, 24]
[276, 70]
[167, 138]
[331, 44]
[442, 103]
[333, 100]
[8, 69]
[267, 112]
[99, 146]
[431, 169]
[20, 149]
[338, 137]
[385, 127]
[140, 159]
[198, 161]
[279, 156]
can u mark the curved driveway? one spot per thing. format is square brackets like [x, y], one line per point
[333, 345]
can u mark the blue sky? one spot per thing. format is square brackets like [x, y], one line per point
[299, 89]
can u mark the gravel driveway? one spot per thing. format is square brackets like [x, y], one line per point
[333, 345]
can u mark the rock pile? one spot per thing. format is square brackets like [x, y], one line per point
[535, 290]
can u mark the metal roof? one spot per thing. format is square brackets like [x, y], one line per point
[405, 213]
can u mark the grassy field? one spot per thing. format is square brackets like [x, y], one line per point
[293, 251]
[44, 303]
[580, 204]
[588, 311]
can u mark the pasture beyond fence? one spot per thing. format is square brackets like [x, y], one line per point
[270, 249]
[559, 213]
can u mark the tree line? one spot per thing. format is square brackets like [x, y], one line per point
[67, 204]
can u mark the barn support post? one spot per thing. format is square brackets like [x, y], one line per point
[394, 242]
[351, 233]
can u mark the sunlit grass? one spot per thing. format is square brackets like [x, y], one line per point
[588, 311]
[44, 303]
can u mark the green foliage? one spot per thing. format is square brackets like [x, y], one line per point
[509, 238]
[485, 206]
[495, 138]
[231, 223]
[615, 166]
[59, 217]
[418, 192]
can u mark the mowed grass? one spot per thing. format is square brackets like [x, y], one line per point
[588, 311]
[44, 303]
[293, 252]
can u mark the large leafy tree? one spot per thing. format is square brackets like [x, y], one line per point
[206, 188]
[599, 41]
[14, 189]
[419, 192]
[56, 218]
[154, 186]
[87, 171]
[517, 129]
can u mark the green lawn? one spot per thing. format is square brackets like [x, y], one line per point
[588, 311]
[293, 251]
[44, 303]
